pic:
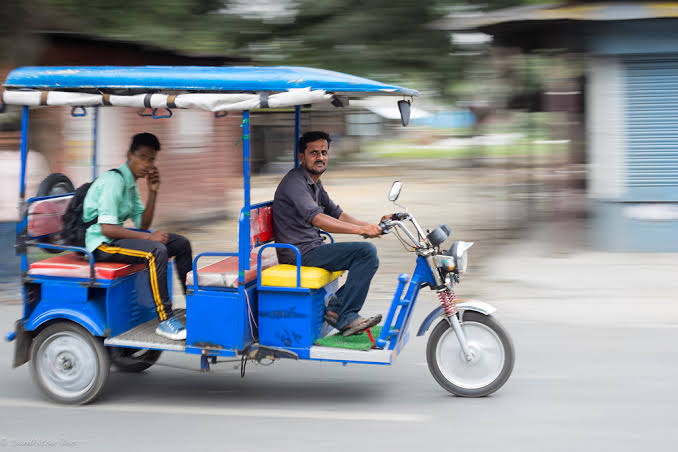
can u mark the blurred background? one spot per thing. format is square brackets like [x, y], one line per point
[544, 112]
[545, 132]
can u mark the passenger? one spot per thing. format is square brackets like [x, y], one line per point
[113, 198]
[301, 207]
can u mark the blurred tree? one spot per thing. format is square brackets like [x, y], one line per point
[387, 39]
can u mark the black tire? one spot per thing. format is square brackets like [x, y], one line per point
[55, 184]
[133, 360]
[69, 365]
[478, 327]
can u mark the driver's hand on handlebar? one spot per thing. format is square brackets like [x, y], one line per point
[371, 231]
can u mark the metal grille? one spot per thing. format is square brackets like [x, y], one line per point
[652, 128]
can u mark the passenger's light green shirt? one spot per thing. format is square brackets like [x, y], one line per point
[113, 198]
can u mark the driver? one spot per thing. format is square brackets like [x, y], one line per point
[301, 207]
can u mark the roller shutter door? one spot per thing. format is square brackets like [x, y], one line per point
[652, 129]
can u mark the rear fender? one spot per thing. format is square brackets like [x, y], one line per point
[469, 305]
[90, 319]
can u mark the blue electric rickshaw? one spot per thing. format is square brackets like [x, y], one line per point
[81, 316]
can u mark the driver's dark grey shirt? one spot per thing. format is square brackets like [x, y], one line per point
[296, 202]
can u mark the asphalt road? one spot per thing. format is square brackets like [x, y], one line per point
[584, 380]
[594, 333]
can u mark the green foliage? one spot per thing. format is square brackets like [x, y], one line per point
[391, 40]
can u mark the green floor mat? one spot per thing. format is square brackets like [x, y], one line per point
[356, 342]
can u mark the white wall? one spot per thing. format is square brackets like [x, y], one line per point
[605, 127]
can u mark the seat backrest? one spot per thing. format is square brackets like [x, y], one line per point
[261, 224]
[44, 215]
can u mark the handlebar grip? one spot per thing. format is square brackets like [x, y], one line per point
[385, 227]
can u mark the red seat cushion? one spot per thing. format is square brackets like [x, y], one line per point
[225, 272]
[74, 266]
[44, 217]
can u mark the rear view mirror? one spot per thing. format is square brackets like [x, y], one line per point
[395, 190]
[404, 107]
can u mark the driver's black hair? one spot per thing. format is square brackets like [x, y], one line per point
[309, 137]
[144, 139]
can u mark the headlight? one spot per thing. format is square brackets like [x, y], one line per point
[445, 263]
[459, 251]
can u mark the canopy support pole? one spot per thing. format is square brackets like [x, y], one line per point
[244, 245]
[297, 126]
[95, 133]
[23, 219]
[24, 154]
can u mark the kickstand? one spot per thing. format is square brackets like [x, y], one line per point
[369, 334]
[243, 365]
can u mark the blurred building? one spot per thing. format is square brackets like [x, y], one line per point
[200, 157]
[631, 98]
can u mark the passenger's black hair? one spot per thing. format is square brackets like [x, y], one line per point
[313, 136]
[144, 139]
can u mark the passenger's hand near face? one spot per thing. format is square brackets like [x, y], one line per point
[153, 180]
[159, 236]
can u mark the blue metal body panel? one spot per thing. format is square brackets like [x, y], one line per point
[426, 324]
[129, 302]
[398, 334]
[216, 319]
[345, 362]
[109, 308]
[90, 315]
[395, 333]
[208, 352]
[292, 320]
[201, 78]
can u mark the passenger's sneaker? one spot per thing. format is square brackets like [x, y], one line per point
[172, 329]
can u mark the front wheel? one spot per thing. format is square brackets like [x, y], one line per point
[68, 364]
[492, 356]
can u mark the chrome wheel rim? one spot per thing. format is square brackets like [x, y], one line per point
[67, 365]
[486, 363]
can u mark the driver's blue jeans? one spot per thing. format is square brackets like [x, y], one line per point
[361, 261]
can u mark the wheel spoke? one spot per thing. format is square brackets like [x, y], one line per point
[487, 356]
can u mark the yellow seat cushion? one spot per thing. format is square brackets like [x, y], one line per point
[284, 275]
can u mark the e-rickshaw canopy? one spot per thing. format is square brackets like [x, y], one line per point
[228, 88]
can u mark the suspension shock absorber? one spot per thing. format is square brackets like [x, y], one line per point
[448, 300]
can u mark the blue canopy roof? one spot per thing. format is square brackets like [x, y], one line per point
[197, 78]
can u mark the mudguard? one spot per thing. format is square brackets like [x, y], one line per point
[87, 317]
[470, 305]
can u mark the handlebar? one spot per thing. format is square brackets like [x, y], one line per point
[387, 225]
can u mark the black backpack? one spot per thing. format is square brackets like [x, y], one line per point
[75, 228]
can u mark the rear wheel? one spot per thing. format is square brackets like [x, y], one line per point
[69, 365]
[491, 363]
[133, 360]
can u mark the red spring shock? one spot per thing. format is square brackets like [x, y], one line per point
[448, 300]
